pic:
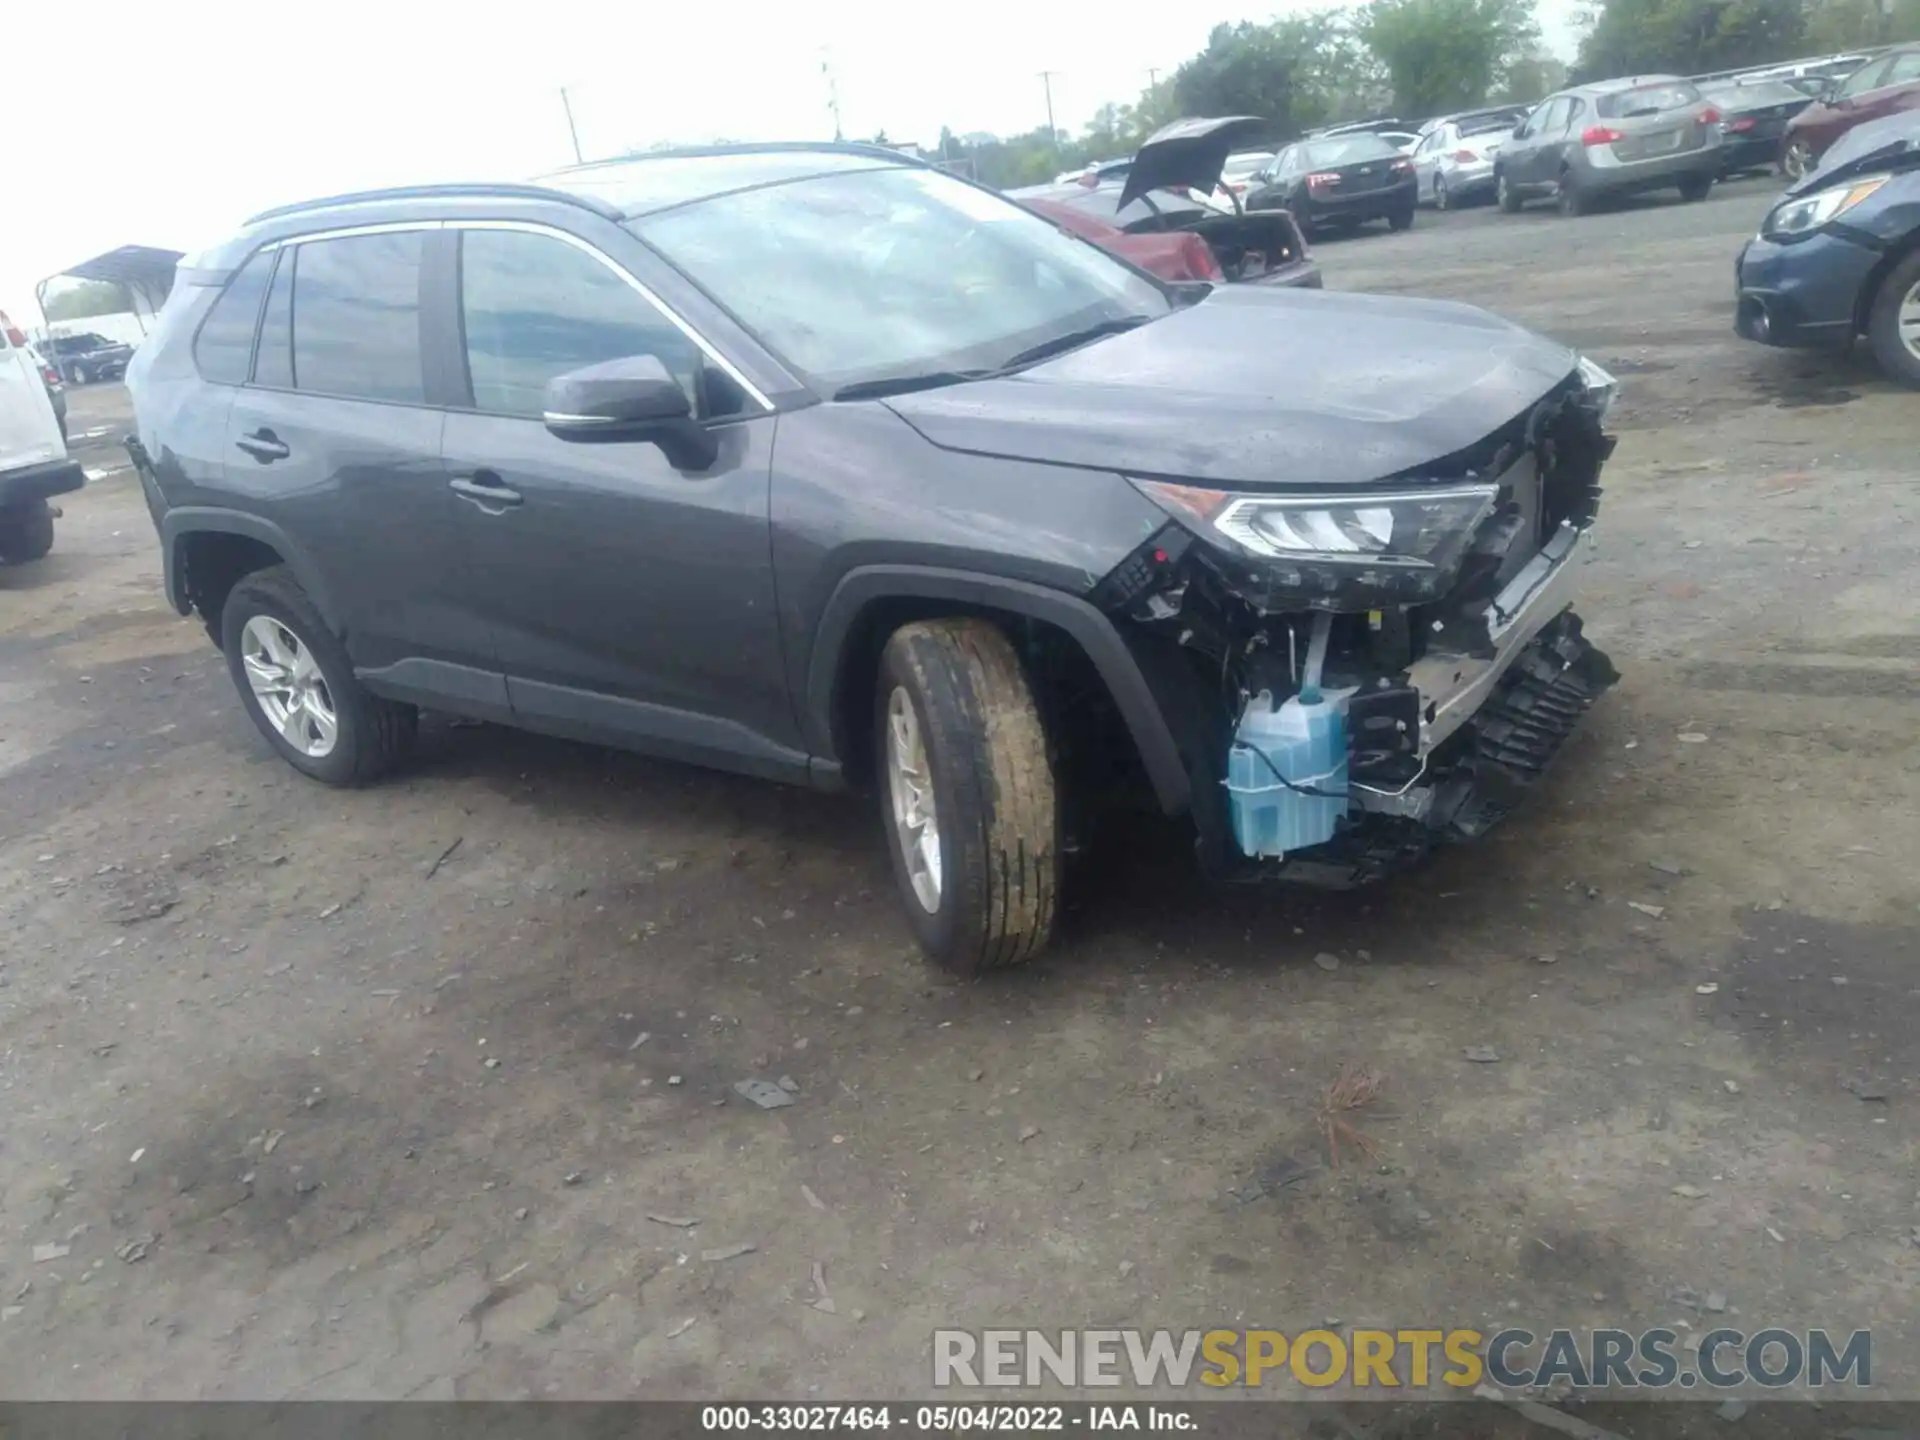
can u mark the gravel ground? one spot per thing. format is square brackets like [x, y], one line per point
[382, 1094]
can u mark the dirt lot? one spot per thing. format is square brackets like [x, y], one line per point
[374, 1126]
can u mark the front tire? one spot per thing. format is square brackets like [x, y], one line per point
[967, 789]
[298, 685]
[1796, 160]
[26, 532]
[1441, 200]
[80, 376]
[1893, 325]
[1508, 197]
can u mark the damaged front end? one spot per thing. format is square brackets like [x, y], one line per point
[1357, 676]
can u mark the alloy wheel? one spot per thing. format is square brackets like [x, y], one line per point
[916, 818]
[1439, 192]
[1797, 161]
[1907, 322]
[291, 690]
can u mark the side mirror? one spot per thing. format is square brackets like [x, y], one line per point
[632, 398]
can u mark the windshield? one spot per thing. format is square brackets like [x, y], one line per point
[1755, 97]
[1347, 150]
[1648, 100]
[894, 272]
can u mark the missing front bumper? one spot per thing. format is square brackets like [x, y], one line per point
[1495, 756]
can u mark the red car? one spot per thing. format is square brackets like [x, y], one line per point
[1886, 85]
[1179, 256]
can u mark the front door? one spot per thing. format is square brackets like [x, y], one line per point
[631, 602]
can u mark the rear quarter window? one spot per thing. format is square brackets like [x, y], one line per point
[223, 350]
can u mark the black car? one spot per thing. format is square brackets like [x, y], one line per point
[820, 464]
[1753, 120]
[84, 358]
[1839, 255]
[1342, 181]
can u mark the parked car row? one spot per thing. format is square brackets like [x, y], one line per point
[84, 358]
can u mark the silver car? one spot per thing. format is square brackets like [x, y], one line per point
[1453, 160]
[1615, 137]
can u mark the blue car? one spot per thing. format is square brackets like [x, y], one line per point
[1839, 256]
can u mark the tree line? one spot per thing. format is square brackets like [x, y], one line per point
[1416, 58]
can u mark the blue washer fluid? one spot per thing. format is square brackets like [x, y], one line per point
[1303, 743]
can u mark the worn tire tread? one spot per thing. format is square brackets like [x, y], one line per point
[994, 781]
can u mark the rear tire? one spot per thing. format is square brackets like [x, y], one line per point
[1573, 201]
[1893, 325]
[26, 532]
[1508, 198]
[1696, 188]
[371, 736]
[956, 725]
[1401, 219]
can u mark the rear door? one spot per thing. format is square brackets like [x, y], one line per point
[332, 440]
[1532, 159]
[631, 601]
[29, 434]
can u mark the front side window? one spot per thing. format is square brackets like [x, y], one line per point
[356, 317]
[535, 307]
[223, 350]
[894, 272]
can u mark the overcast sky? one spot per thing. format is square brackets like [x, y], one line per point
[164, 124]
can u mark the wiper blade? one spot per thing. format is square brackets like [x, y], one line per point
[1073, 340]
[906, 384]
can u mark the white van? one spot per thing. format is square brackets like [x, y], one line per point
[34, 465]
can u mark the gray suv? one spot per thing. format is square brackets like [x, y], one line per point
[820, 464]
[1614, 137]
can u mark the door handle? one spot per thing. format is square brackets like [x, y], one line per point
[484, 487]
[264, 446]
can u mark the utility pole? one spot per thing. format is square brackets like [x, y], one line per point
[567, 105]
[1153, 78]
[1053, 133]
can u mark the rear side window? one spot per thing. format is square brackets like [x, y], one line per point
[1490, 124]
[223, 350]
[536, 307]
[356, 317]
[274, 364]
[1905, 70]
[1648, 100]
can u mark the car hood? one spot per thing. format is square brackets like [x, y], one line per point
[1188, 154]
[1893, 142]
[1298, 388]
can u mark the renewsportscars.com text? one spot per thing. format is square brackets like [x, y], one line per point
[1362, 1359]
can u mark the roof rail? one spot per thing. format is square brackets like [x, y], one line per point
[749, 147]
[482, 190]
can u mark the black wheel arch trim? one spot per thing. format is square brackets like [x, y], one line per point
[1088, 627]
[177, 524]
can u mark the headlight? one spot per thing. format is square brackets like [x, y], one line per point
[1810, 212]
[1415, 529]
[1601, 389]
